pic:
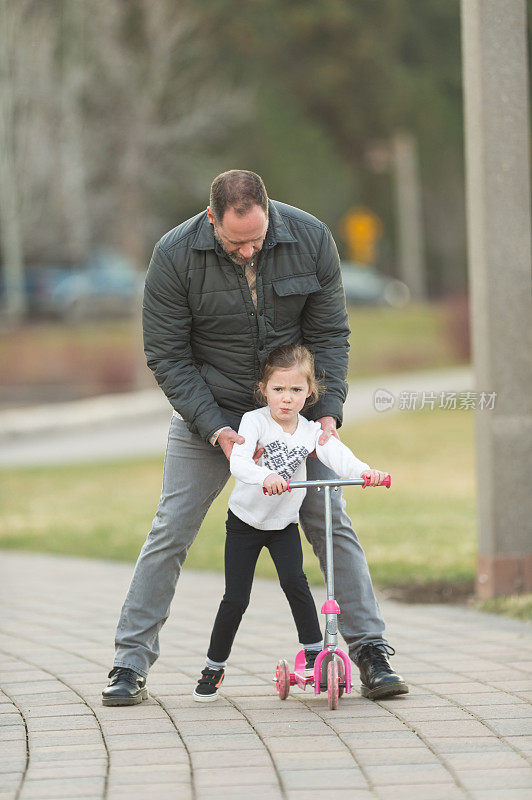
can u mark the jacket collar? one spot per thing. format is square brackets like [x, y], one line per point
[277, 231]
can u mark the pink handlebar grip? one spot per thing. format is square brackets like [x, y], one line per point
[386, 482]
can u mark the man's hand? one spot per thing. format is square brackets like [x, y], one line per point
[274, 484]
[257, 454]
[328, 426]
[375, 476]
[227, 438]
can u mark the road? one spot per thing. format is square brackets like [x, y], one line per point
[136, 424]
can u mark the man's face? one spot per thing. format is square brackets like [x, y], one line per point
[241, 237]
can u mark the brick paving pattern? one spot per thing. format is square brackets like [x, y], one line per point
[464, 731]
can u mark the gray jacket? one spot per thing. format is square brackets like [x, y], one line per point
[204, 339]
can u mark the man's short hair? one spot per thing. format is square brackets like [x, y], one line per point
[238, 189]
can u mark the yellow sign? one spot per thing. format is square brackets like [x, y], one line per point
[361, 229]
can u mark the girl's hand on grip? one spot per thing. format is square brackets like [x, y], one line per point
[274, 484]
[374, 477]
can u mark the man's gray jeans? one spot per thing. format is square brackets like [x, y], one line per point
[194, 474]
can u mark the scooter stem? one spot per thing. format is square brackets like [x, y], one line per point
[331, 623]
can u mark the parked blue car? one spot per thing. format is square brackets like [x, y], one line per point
[105, 285]
[365, 286]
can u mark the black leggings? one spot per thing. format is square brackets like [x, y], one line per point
[242, 547]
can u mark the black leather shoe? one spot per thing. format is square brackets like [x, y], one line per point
[377, 676]
[125, 688]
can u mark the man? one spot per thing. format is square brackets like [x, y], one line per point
[223, 289]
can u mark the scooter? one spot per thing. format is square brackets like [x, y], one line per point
[332, 668]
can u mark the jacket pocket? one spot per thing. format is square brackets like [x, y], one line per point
[290, 295]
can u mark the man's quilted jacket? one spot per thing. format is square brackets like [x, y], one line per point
[204, 339]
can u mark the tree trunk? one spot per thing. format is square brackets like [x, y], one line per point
[15, 300]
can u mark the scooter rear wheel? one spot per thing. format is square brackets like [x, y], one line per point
[282, 677]
[332, 684]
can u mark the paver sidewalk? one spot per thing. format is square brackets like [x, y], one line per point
[464, 731]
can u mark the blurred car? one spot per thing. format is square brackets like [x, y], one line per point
[366, 286]
[106, 284]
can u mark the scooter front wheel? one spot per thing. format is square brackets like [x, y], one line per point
[333, 684]
[282, 679]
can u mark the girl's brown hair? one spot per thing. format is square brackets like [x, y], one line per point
[288, 356]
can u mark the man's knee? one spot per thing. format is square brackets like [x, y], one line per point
[170, 532]
[312, 518]
[179, 516]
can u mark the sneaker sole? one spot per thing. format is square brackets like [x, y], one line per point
[126, 701]
[205, 698]
[383, 691]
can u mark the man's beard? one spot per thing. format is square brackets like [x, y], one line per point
[240, 261]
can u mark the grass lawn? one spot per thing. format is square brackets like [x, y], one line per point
[421, 532]
[416, 337]
[519, 606]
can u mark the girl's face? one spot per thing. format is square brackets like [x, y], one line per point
[286, 392]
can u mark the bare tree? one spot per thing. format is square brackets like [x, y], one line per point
[12, 110]
[72, 85]
[29, 203]
[105, 107]
[161, 107]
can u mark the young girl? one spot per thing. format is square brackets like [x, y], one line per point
[256, 519]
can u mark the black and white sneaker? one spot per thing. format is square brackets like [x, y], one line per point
[207, 689]
[310, 658]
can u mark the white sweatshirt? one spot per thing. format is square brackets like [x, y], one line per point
[284, 454]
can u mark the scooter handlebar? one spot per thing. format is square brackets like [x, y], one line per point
[364, 482]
